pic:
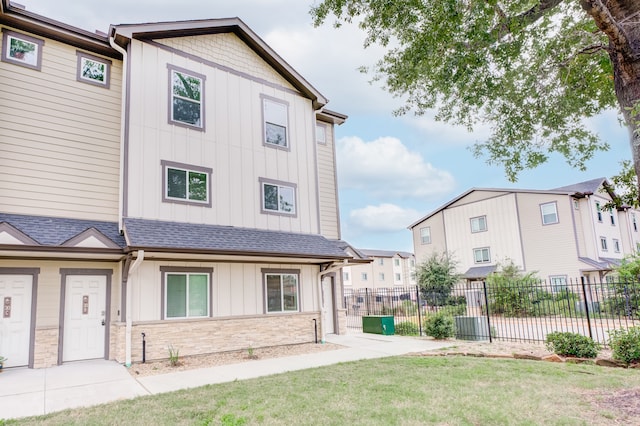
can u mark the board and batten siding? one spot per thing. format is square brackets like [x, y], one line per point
[438, 237]
[59, 139]
[237, 289]
[328, 186]
[231, 143]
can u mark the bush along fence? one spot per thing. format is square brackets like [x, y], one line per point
[524, 311]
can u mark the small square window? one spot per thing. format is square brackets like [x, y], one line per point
[21, 49]
[478, 224]
[276, 122]
[481, 255]
[425, 235]
[281, 290]
[549, 213]
[278, 197]
[93, 70]
[186, 99]
[186, 184]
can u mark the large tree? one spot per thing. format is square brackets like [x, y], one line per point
[532, 69]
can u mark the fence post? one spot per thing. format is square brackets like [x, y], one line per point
[586, 307]
[419, 309]
[486, 303]
[366, 293]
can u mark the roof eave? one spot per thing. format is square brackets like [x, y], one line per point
[239, 253]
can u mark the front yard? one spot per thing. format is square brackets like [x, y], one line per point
[448, 390]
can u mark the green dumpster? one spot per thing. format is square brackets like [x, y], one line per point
[378, 324]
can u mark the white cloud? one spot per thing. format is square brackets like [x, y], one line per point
[383, 218]
[386, 168]
[448, 133]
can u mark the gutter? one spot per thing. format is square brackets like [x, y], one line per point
[128, 320]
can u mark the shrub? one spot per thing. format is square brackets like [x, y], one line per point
[453, 310]
[174, 358]
[572, 344]
[626, 344]
[407, 328]
[440, 326]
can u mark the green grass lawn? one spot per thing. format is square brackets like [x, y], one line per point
[389, 391]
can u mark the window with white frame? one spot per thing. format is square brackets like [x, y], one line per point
[281, 290]
[599, 211]
[576, 205]
[558, 283]
[603, 243]
[93, 70]
[278, 197]
[425, 235]
[276, 122]
[321, 133]
[398, 276]
[363, 276]
[549, 213]
[396, 262]
[478, 224]
[183, 183]
[481, 255]
[612, 217]
[381, 276]
[186, 99]
[345, 276]
[381, 261]
[616, 245]
[21, 49]
[186, 294]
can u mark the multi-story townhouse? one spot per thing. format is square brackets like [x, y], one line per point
[560, 234]
[387, 269]
[170, 180]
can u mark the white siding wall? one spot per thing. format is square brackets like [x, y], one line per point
[231, 145]
[59, 139]
[438, 237]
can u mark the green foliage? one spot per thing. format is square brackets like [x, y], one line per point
[440, 326]
[625, 298]
[511, 293]
[529, 71]
[453, 310]
[625, 344]
[572, 344]
[436, 277]
[174, 357]
[407, 328]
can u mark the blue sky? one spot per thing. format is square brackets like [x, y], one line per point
[391, 170]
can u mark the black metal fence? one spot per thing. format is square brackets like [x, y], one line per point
[512, 311]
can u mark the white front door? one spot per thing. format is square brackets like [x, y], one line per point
[84, 317]
[15, 320]
[327, 292]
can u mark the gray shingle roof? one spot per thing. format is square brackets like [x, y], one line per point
[54, 231]
[604, 263]
[152, 234]
[385, 253]
[588, 187]
[479, 271]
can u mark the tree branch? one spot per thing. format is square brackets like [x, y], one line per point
[609, 26]
[525, 18]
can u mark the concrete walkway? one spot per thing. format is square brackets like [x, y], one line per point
[29, 392]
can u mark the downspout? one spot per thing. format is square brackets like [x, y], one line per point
[128, 326]
[323, 309]
[124, 111]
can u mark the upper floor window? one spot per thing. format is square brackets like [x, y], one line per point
[481, 255]
[345, 276]
[616, 245]
[599, 211]
[549, 213]
[634, 223]
[93, 70]
[576, 204]
[603, 243]
[398, 277]
[186, 100]
[278, 197]
[478, 224]
[363, 276]
[186, 292]
[612, 217]
[425, 235]
[381, 261]
[412, 263]
[396, 262]
[321, 133]
[276, 122]
[281, 290]
[186, 184]
[21, 49]
[381, 276]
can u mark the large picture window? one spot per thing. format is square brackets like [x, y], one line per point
[186, 293]
[21, 49]
[281, 290]
[278, 197]
[186, 184]
[276, 122]
[186, 100]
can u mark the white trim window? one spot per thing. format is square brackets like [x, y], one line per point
[381, 261]
[616, 245]
[364, 276]
[549, 213]
[396, 261]
[425, 235]
[558, 283]
[398, 276]
[281, 290]
[381, 276]
[478, 224]
[276, 122]
[321, 133]
[612, 217]
[481, 255]
[186, 295]
[603, 243]
[186, 103]
[278, 197]
[186, 184]
[599, 211]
